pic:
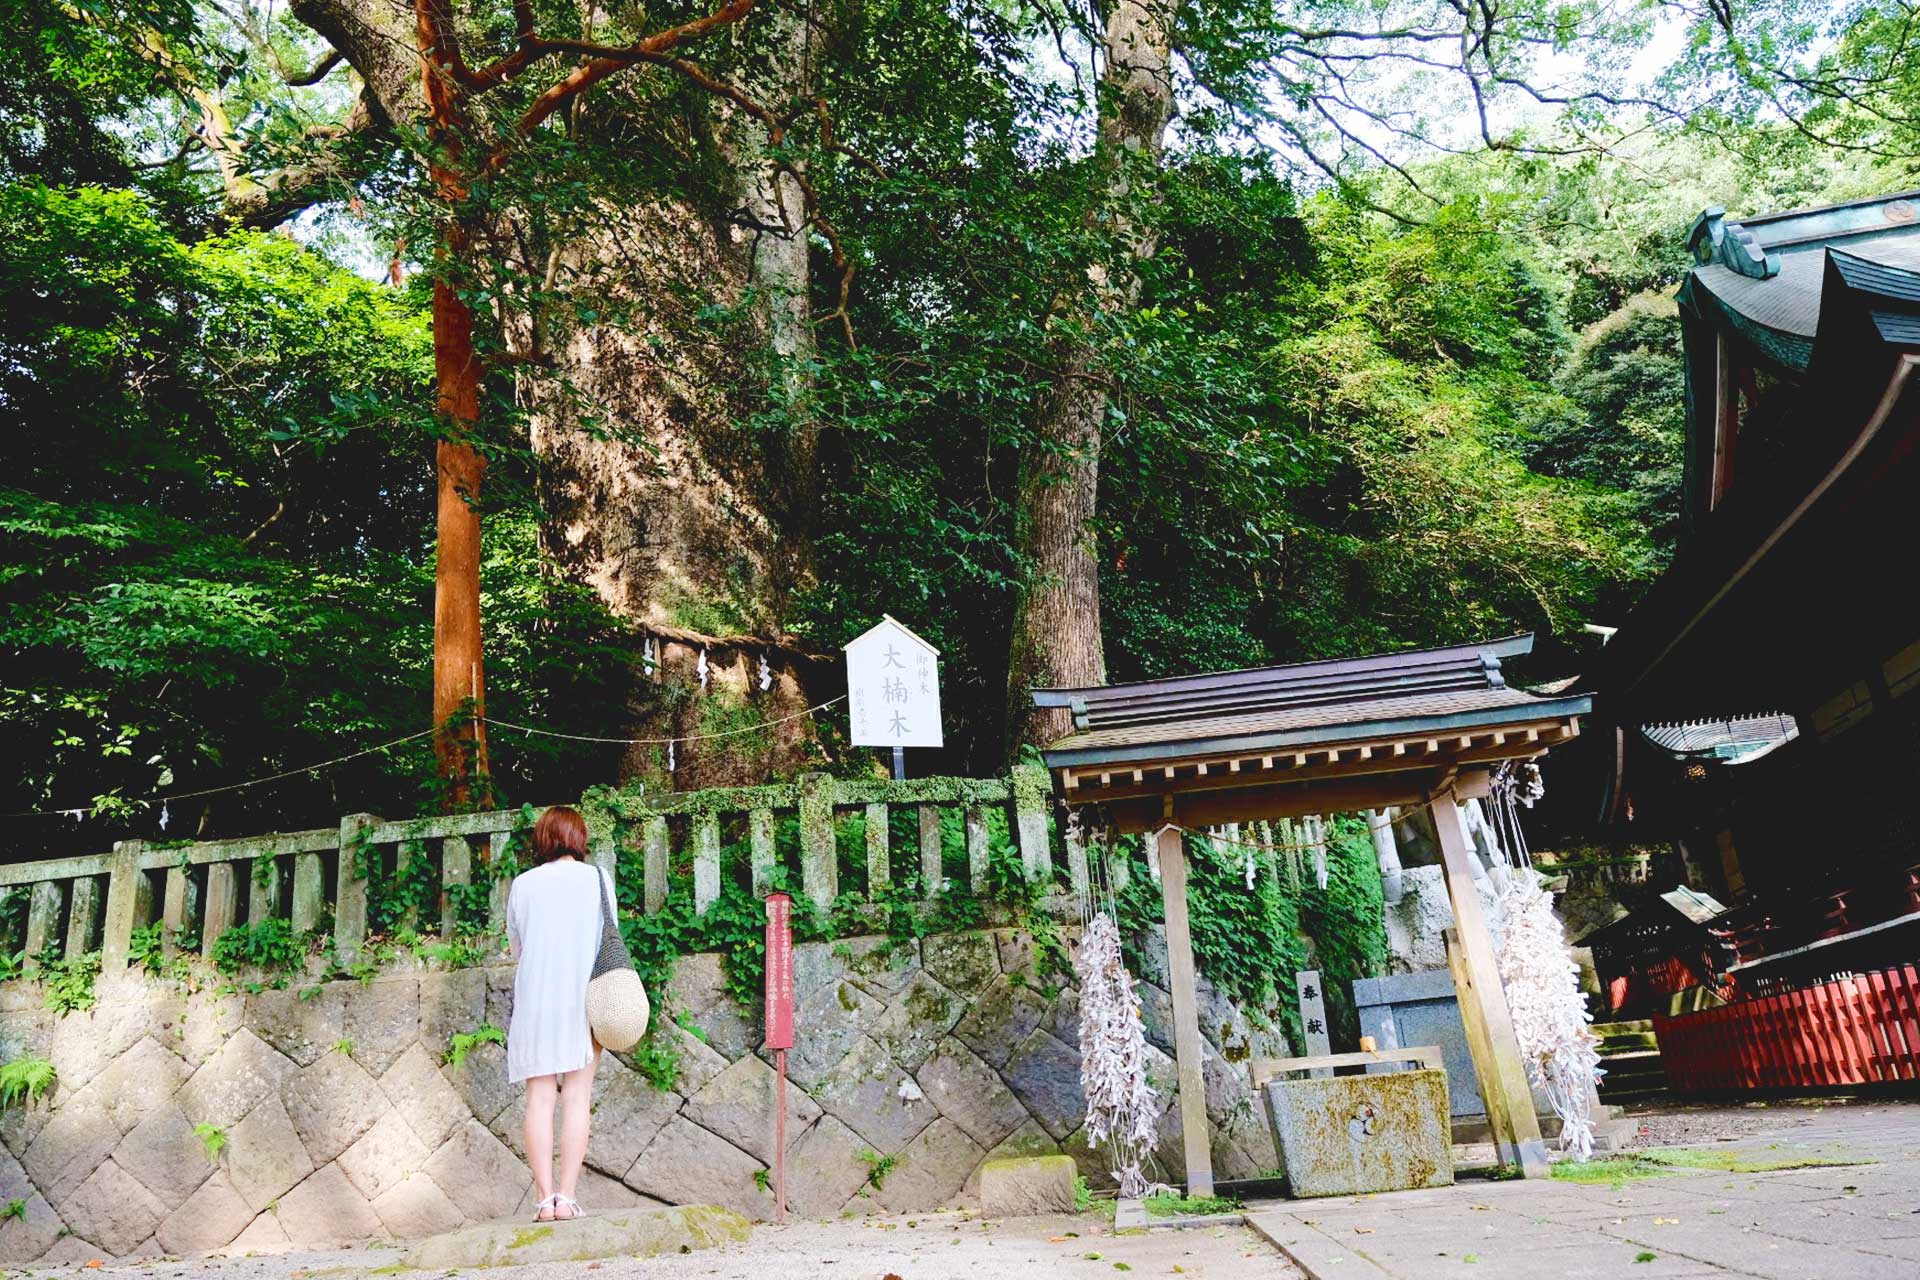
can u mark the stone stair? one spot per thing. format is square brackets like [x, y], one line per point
[1631, 1057]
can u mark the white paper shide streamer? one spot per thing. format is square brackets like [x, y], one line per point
[1121, 1105]
[1549, 1014]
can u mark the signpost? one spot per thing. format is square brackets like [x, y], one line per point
[1313, 1018]
[779, 1003]
[893, 691]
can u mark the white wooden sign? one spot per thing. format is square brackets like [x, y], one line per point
[893, 688]
[1313, 1018]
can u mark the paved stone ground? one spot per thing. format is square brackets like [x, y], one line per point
[939, 1246]
[1858, 1221]
[1855, 1221]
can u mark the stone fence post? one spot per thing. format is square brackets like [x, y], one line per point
[129, 904]
[819, 859]
[44, 901]
[1032, 790]
[350, 890]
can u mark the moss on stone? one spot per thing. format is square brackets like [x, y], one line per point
[529, 1235]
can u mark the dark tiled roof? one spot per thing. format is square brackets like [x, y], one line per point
[1696, 736]
[1766, 275]
[1300, 703]
[1790, 301]
[1889, 275]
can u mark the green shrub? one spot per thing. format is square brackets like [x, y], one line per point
[266, 944]
[213, 1138]
[878, 1167]
[69, 982]
[658, 1060]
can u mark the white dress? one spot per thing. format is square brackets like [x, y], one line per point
[553, 928]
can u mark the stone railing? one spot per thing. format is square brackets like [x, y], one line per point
[97, 902]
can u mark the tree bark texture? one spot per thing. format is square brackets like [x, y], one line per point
[1056, 624]
[656, 494]
[779, 267]
[459, 691]
[683, 519]
[654, 491]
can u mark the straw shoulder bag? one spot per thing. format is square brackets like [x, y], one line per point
[617, 1009]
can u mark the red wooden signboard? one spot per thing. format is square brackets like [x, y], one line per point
[779, 971]
[779, 1032]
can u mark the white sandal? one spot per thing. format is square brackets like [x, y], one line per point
[550, 1203]
[573, 1207]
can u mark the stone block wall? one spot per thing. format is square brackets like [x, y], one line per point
[342, 1122]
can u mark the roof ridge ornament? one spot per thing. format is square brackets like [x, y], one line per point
[1715, 241]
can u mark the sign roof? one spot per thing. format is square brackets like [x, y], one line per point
[888, 621]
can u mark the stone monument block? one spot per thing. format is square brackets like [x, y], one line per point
[1022, 1188]
[1353, 1135]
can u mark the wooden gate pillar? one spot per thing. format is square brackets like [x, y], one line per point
[1483, 1004]
[1186, 1012]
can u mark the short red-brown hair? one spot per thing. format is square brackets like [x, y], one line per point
[560, 833]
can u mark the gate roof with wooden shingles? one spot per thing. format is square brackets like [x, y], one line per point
[1270, 741]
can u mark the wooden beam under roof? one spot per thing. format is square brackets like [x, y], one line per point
[1268, 801]
[1093, 786]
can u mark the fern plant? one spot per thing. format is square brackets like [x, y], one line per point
[462, 1043]
[24, 1081]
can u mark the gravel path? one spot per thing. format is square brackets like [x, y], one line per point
[946, 1246]
[1674, 1125]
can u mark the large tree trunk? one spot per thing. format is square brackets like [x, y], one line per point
[657, 491]
[459, 690]
[685, 519]
[779, 267]
[388, 43]
[459, 675]
[1056, 625]
[658, 495]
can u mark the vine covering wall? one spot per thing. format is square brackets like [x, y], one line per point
[1250, 942]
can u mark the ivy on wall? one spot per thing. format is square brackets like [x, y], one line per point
[1346, 921]
[1249, 943]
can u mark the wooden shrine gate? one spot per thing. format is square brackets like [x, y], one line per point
[1401, 730]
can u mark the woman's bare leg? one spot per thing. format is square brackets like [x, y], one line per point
[538, 1132]
[576, 1119]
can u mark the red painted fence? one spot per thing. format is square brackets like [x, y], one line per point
[1853, 1031]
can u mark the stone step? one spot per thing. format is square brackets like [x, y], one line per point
[1631, 1025]
[1619, 1064]
[628, 1233]
[1633, 1077]
[1626, 1041]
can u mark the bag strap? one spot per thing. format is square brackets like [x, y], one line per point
[612, 954]
[606, 908]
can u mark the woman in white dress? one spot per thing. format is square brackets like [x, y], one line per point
[553, 928]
